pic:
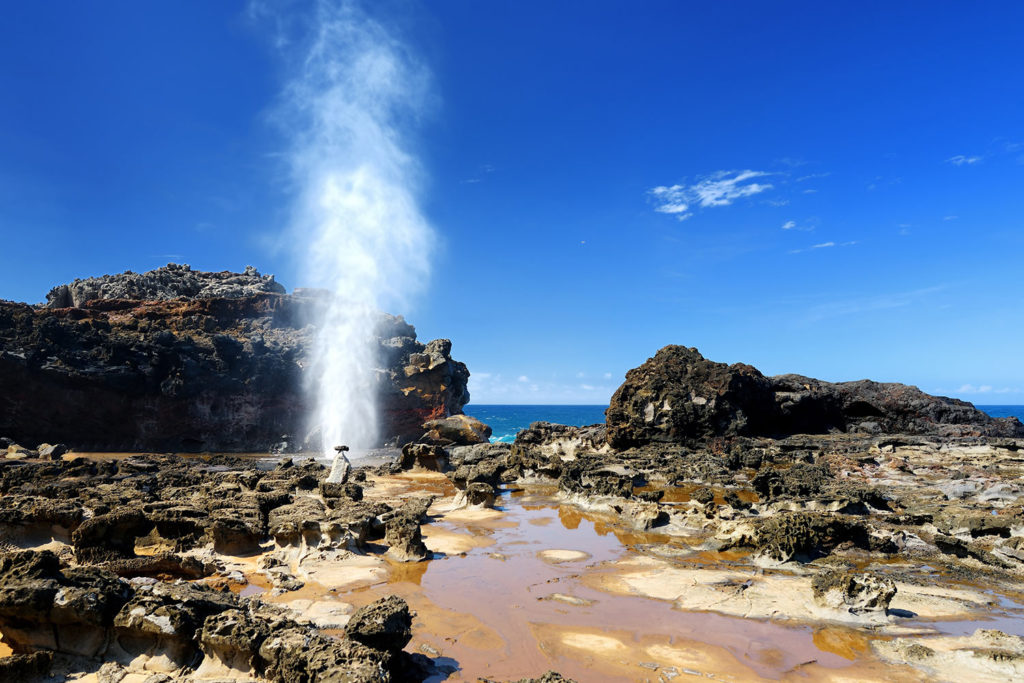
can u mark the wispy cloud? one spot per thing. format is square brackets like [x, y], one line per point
[824, 245]
[986, 389]
[495, 387]
[721, 188]
[812, 176]
[870, 304]
[950, 218]
[963, 160]
[806, 225]
[483, 171]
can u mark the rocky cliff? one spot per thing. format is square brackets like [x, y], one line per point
[679, 396]
[177, 359]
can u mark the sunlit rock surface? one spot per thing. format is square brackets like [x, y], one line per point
[679, 396]
[179, 360]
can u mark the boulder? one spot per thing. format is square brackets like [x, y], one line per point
[476, 494]
[404, 539]
[424, 456]
[855, 592]
[18, 452]
[51, 451]
[459, 430]
[383, 625]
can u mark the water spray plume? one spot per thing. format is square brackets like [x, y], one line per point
[356, 217]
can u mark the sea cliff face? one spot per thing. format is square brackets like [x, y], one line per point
[181, 360]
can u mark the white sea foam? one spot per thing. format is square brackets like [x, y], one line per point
[353, 91]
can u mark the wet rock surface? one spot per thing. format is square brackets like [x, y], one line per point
[880, 538]
[94, 600]
[183, 360]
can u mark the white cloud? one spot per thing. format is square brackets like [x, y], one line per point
[950, 218]
[721, 188]
[777, 202]
[962, 160]
[494, 387]
[807, 225]
[824, 245]
[607, 375]
[812, 176]
[725, 187]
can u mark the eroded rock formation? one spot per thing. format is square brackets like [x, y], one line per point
[180, 360]
[678, 396]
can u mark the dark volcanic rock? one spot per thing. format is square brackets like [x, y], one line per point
[856, 592]
[678, 397]
[426, 456]
[25, 668]
[45, 607]
[459, 430]
[173, 281]
[383, 625]
[180, 360]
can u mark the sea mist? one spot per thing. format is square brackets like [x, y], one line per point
[353, 90]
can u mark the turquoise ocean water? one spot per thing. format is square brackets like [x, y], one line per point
[507, 421]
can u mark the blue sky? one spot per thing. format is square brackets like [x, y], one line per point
[831, 189]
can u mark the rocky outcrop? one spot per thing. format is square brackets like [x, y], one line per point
[180, 360]
[678, 396]
[85, 612]
[173, 281]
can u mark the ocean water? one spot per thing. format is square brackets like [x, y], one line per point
[507, 421]
[1003, 411]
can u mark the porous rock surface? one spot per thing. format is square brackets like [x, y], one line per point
[678, 396]
[181, 360]
[95, 600]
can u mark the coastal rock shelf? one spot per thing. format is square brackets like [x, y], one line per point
[706, 546]
[181, 360]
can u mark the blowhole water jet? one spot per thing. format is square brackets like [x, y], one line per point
[356, 222]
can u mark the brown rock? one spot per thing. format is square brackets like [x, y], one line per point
[459, 430]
